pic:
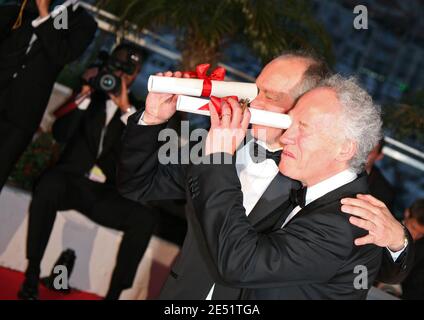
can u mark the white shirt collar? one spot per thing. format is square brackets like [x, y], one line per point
[320, 189]
[111, 109]
[244, 162]
[264, 145]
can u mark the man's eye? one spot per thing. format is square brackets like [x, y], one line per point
[303, 127]
[271, 98]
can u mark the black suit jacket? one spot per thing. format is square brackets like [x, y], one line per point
[26, 80]
[80, 131]
[8, 14]
[312, 257]
[142, 178]
[413, 285]
[390, 272]
[381, 188]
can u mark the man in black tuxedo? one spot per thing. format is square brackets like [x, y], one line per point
[32, 54]
[142, 177]
[84, 178]
[310, 252]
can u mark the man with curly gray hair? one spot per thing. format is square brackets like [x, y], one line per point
[310, 253]
[360, 118]
[347, 129]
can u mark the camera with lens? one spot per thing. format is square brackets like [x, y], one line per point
[106, 80]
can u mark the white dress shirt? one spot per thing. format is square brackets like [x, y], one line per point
[96, 173]
[111, 109]
[254, 177]
[322, 188]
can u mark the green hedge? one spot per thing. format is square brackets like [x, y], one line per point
[39, 155]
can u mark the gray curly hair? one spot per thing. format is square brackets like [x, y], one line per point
[361, 118]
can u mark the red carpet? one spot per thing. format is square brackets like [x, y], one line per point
[10, 282]
[158, 275]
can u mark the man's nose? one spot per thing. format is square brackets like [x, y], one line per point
[287, 137]
[257, 103]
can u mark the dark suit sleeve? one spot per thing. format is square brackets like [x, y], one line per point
[135, 102]
[396, 271]
[302, 252]
[413, 285]
[65, 45]
[66, 126]
[8, 14]
[141, 177]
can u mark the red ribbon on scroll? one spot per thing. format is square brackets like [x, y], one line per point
[201, 73]
[216, 102]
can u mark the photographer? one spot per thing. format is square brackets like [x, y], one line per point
[33, 51]
[91, 125]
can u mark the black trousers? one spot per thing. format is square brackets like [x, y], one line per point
[16, 130]
[12, 145]
[58, 190]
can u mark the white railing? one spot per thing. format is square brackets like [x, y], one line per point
[405, 147]
[405, 154]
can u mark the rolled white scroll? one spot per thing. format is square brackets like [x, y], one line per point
[259, 117]
[194, 87]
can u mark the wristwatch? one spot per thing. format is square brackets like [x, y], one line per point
[405, 237]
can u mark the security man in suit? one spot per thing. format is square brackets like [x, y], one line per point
[32, 54]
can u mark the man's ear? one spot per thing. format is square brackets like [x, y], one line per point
[347, 150]
[380, 156]
[406, 214]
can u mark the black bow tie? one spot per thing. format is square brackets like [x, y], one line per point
[298, 197]
[259, 154]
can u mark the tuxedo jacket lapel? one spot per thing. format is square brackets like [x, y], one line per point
[359, 185]
[273, 204]
[114, 126]
[273, 198]
[94, 122]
